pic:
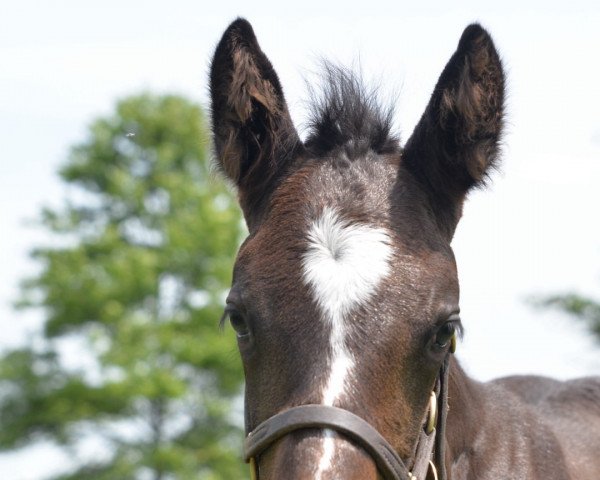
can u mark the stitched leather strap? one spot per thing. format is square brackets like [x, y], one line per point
[440, 447]
[423, 456]
[320, 416]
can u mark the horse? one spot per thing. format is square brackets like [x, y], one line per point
[345, 295]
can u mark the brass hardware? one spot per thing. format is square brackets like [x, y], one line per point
[432, 417]
[433, 470]
[252, 469]
[453, 343]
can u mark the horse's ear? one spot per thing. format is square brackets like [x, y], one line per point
[456, 142]
[253, 132]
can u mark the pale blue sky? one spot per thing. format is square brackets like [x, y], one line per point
[535, 230]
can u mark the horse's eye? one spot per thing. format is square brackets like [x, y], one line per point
[444, 335]
[238, 321]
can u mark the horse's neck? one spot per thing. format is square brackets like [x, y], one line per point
[492, 433]
[478, 430]
[466, 402]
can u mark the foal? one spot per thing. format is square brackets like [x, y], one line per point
[345, 293]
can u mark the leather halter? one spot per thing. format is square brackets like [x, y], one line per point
[430, 449]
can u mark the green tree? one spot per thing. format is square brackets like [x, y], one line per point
[580, 307]
[134, 284]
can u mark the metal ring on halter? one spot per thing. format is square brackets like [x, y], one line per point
[433, 470]
[432, 416]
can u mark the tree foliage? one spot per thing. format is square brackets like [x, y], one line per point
[583, 308]
[133, 283]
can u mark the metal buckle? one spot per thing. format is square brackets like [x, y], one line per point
[453, 343]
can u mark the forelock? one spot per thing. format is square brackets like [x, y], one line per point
[347, 115]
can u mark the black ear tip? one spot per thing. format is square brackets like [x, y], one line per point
[474, 34]
[238, 34]
[241, 29]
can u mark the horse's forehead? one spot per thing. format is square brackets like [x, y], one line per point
[357, 204]
[361, 190]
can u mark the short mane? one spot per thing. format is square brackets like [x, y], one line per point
[346, 114]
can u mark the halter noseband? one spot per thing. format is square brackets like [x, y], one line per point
[430, 450]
